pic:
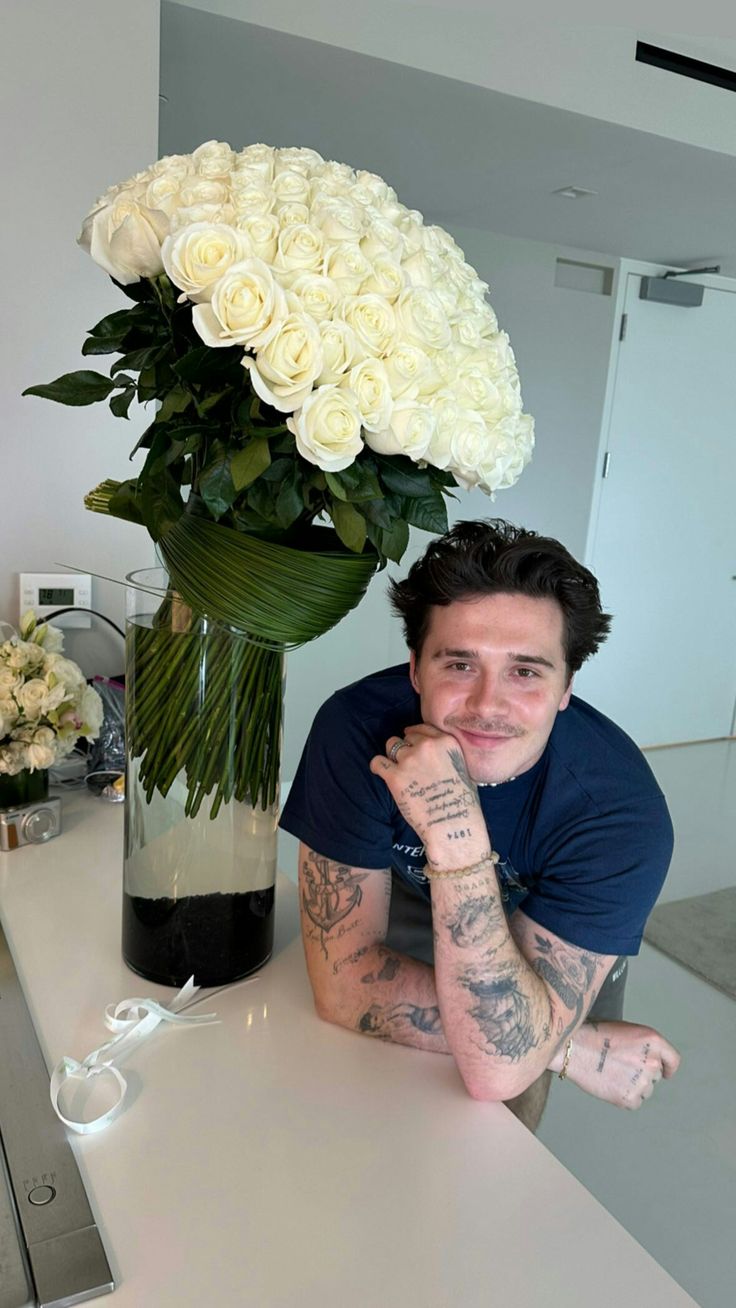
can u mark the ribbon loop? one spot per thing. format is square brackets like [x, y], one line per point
[133, 1020]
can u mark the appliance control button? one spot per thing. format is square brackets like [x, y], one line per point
[41, 1194]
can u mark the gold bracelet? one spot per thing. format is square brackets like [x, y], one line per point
[434, 873]
[563, 1070]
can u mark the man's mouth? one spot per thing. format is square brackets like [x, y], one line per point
[487, 739]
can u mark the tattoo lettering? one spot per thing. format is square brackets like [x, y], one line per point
[351, 958]
[475, 921]
[637, 1074]
[384, 1021]
[503, 1014]
[332, 892]
[604, 1054]
[389, 968]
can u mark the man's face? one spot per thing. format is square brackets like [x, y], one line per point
[492, 673]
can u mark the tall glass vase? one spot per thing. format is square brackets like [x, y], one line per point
[203, 736]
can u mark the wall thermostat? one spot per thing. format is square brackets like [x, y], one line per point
[45, 592]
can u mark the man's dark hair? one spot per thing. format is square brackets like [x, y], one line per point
[492, 558]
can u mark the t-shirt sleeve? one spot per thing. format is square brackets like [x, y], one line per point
[336, 805]
[601, 877]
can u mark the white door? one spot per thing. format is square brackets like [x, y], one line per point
[664, 548]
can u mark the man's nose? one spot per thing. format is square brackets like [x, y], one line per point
[488, 697]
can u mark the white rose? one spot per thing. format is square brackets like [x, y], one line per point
[262, 231]
[340, 220]
[300, 249]
[124, 237]
[172, 165]
[284, 371]
[214, 159]
[340, 350]
[24, 656]
[348, 266]
[494, 400]
[496, 356]
[53, 639]
[8, 715]
[246, 308]
[410, 431]
[448, 417]
[41, 751]
[338, 172]
[386, 279]
[10, 681]
[437, 239]
[291, 214]
[411, 226]
[406, 365]
[469, 448]
[418, 270]
[382, 237]
[371, 185]
[188, 215]
[422, 319]
[258, 159]
[368, 381]
[195, 191]
[196, 257]
[510, 448]
[327, 428]
[12, 759]
[298, 158]
[251, 197]
[373, 321]
[32, 698]
[318, 295]
[162, 193]
[291, 186]
[324, 191]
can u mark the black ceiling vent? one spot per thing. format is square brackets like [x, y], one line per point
[672, 62]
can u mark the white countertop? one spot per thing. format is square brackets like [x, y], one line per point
[274, 1160]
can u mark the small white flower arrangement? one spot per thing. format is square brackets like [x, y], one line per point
[45, 702]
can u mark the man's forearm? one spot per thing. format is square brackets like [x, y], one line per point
[496, 1010]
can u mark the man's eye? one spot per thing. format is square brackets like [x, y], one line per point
[526, 673]
[459, 667]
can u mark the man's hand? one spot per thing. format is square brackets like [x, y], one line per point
[427, 776]
[619, 1062]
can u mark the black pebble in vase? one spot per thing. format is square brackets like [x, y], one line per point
[215, 938]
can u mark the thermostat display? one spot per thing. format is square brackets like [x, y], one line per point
[44, 592]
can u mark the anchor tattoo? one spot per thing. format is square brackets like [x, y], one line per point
[330, 895]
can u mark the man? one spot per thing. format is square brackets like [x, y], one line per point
[480, 849]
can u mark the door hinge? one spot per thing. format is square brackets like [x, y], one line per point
[606, 463]
[622, 329]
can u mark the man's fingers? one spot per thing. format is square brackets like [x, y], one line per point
[670, 1059]
[379, 764]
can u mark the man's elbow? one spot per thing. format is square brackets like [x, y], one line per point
[496, 1086]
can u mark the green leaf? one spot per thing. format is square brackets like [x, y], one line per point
[203, 406]
[121, 402]
[215, 481]
[382, 512]
[139, 360]
[249, 463]
[176, 401]
[75, 388]
[138, 291]
[394, 542]
[349, 525]
[160, 503]
[289, 501]
[262, 500]
[429, 513]
[400, 475]
[125, 503]
[203, 365]
[355, 483]
[278, 470]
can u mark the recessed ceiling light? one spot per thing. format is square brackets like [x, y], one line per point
[573, 192]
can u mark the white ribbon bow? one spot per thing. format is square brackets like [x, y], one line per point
[133, 1020]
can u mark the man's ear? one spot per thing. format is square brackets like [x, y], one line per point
[566, 697]
[413, 671]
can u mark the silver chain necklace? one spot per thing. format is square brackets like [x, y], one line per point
[493, 784]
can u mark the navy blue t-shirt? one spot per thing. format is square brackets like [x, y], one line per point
[584, 835]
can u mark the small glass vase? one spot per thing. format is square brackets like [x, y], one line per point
[26, 787]
[203, 736]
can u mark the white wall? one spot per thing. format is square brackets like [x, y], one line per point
[573, 55]
[79, 108]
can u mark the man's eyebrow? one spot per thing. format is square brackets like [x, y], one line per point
[512, 658]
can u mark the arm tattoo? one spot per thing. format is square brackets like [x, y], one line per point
[475, 921]
[503, 1014]
[388, 970]
[604, 1054]
[569, 971]
[448, 800]
[332, 891]
[382, 1020]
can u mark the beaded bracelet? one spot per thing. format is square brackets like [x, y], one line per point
[437, 874]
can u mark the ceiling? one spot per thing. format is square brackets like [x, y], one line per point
[464, 155]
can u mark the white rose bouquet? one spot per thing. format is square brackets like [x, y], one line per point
[45, 702]
[319, 355]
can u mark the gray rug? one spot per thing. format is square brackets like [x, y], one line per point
[699, 933]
